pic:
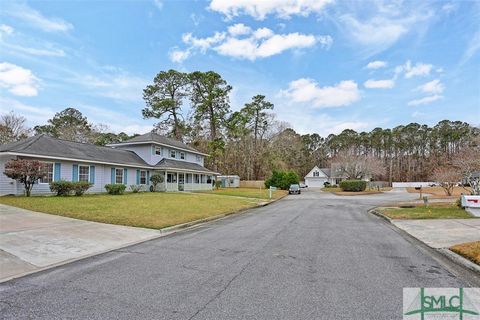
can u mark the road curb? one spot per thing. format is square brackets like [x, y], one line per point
[452, 256]
[161, 233]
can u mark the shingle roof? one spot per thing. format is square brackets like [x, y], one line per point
[44, 145]
[327, 171]
[181, 165]
[153, 137]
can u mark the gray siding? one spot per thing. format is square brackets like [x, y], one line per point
[145, 151]
[7, 185]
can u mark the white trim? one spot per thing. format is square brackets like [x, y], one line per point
[154, 142]
[83, 165]
[102, 162]
[123, 176]
[76, 160]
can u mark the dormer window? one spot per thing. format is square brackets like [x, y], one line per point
[173, 154]
[198, 158]
[182, 155]
[158, 151]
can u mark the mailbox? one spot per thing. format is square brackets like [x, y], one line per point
[470, 201]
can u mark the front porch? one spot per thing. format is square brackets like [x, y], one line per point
[185, 181]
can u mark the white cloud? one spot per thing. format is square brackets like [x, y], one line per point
[472, 48]
[379, 84]
[6, 29]
[425, 100]
[17, 80]
[260, 9]
[419, 69]
[433, 87]
[36, 19]
[308, 91]
[244, 43]
[239, 29]
[50, 51]
[158, 4]
[116, 85]
[376, 64]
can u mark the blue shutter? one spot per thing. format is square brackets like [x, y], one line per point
[92, 174]
[57, 169]
[113, 175]
[148, 177]
[125, 177]
[75, 173]
[138, 176]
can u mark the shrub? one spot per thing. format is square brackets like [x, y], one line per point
[218, 184]
[136, 188]
[326, 184]
[62, 187]
[282, 179]
[155, 179]
[353, 185]
[80, 187]
[115, 188]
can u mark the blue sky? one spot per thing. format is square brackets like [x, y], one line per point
[326, 65]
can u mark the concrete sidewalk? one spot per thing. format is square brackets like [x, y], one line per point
[442, 233]
[31, 241]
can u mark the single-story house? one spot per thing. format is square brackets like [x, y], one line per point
[317, 177]
[229, 181]
[131, 163]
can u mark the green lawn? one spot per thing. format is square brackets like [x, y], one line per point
[149, 210]
[433, 212]
[248, 193]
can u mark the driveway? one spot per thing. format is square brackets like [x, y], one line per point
[30, 241]
[309, 256]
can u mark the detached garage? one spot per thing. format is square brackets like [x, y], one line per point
[316, 178]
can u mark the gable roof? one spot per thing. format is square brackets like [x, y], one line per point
[44, 145]
[152, 137]
[181, 165]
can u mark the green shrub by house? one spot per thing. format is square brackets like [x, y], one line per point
[115, 189]
[353, 185]
[65, 188]
[282, 179]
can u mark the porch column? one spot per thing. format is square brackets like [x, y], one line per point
[165, 180]
[177, 180]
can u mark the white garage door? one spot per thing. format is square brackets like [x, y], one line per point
[315, 183]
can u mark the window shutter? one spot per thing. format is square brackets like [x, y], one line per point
[92, 174]
[57, 176]
[138, 176]
[148, 177]
[125, 177]
[113, 175]
[75, 173]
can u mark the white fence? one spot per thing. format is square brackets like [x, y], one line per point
[411, 184]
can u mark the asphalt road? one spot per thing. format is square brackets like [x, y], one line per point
[313, 256]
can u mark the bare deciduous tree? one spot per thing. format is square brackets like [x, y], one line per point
[468, 164]
[12, 128]
[448, 177]
[357, 167]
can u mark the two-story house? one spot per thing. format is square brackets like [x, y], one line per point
[131, 163]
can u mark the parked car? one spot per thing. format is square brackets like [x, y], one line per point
[294, 189]
[303, 185]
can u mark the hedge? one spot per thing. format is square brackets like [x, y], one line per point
[353, 185]
[65, 188]
[115, 188]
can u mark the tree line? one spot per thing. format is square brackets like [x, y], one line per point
[252, 143]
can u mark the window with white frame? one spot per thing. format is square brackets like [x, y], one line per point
[49, 176]
[182, 155]
[316, 174]
[199, 159]
[118, 175]
[157, 151]
[173, 154]
[143, 177]
[83, 173]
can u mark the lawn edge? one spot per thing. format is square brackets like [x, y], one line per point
[446, 252]
[163, 232]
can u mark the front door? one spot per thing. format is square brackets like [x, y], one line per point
[181, 181]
